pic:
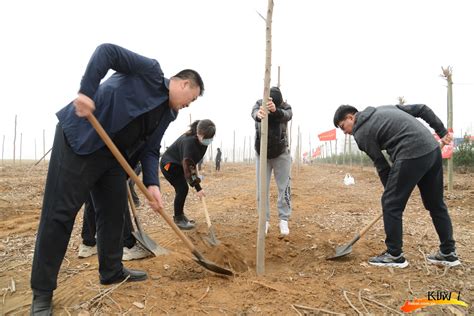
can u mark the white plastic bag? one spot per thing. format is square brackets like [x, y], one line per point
[348, 179]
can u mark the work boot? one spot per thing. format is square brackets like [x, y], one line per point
[136, 252]
[42, 305]
[183, 223]
[134, 275]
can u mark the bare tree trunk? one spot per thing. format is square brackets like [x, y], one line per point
[344, 155]
[350, 150]
[448, 73]
[245, 146]
[35, 149]
[233, 150]
[263, 205]
[14, 142]
[3, 147]
[21, 145]
[335, 149]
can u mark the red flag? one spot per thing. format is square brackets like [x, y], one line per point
[329, 135]
[317, 152]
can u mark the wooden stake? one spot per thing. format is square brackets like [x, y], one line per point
[21, 145]
[14, 142]
[233, 150]
[262, 205]
[3, 147]
[35, 149]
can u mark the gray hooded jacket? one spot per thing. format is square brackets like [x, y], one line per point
[396, 130]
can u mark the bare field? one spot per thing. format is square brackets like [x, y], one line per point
[298, 279]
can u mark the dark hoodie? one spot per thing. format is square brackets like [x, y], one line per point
[396, 130]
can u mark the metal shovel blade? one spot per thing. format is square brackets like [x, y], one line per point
[212, 239]
[341, 251]
[210, 265]
[149, 244]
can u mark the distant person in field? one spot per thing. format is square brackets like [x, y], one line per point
[278, 154]
[218, 159]
[416, 158]
[135, 105]
[178, 166]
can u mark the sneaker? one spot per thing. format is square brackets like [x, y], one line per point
[450, 260]
[267, 227]
[284, 230]
[136, 252]
[387, 260]
[86, 251]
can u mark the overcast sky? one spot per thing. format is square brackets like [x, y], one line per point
[363, 53]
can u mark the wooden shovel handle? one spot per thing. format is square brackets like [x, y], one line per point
[106, 139]
[366, 228]
[134, 210]
[206, 213]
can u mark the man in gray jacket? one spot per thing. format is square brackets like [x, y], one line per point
[417, 161]
[278, 154]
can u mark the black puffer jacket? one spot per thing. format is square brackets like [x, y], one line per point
[277, 129]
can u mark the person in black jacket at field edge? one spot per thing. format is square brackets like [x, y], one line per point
[135, 106]
[178, 166]
[417, 161]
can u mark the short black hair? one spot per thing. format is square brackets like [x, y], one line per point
[342, 112]
[193, 76]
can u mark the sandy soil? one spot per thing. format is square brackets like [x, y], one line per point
[297, 280]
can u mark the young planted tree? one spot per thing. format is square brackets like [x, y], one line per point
[262, 205]
[401, 100]
[447, 74]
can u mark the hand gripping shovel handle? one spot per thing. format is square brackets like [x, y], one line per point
[364, 230]
[106, 139]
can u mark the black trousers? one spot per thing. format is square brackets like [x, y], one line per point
[425, 172]
[71, 178]
[218, 165]
[175, 176]
[89, 226]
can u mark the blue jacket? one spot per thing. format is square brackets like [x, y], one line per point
[137, 86]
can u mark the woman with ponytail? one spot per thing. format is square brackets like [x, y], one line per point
[178, 166]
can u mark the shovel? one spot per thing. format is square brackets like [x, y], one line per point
[212, 235]
[140, 234]
[197, 255]
[347, 249]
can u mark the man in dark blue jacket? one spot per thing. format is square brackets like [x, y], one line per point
[417, 161]
[135, 106]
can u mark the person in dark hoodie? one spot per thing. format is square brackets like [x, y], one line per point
[416, 161]
[178, 166]
[278, 154]
[135, 105]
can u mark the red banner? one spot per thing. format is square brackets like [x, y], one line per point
[447, 150]
[326, 136]
[317, 152]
